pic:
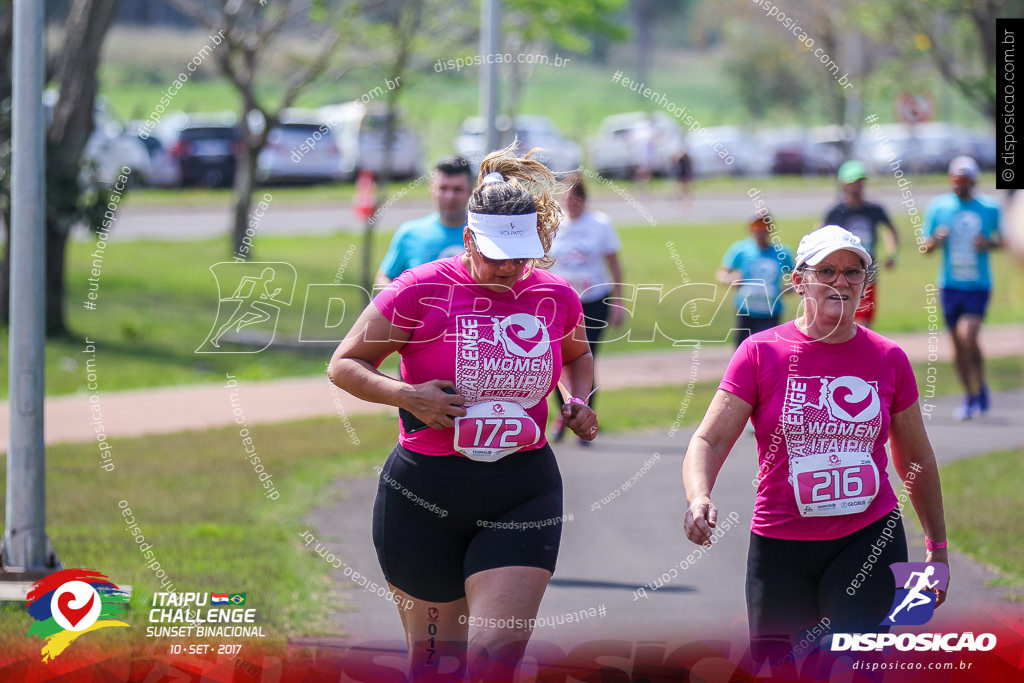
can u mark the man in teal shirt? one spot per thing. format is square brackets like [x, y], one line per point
[435, 236]
[758, 266]
[967, 227]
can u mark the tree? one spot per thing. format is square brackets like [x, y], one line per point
[777, 59]
[957, 38]
[397, 32]
[530, 25]
[250, 30]
[70, 198]
[396, 25]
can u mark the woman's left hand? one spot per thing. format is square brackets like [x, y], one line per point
[581, 420]
[940, 555]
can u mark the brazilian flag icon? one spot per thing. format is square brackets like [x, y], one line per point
[237, 598]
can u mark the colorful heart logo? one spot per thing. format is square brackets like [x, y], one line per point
[72, 614]
[75, 605]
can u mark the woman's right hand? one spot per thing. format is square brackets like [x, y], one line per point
[435, 407]
[700, 521]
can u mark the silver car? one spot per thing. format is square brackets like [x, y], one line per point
[301, 148]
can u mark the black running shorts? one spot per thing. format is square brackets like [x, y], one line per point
[439, 519]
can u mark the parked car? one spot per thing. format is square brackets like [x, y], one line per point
[300, 148]
[470, 142]
[557, 152]
[358, 130]
[921, 148]
[163, 169]
[981, 144]
[204, 146]
[796, 150]
[711, 150]
[614, 150]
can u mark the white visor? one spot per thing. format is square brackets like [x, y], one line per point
[506, 237]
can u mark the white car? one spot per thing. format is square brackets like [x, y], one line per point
[921, 148]
[301, 148]
[358, 130]
[625, 142]
[556, 152]
[727, 150]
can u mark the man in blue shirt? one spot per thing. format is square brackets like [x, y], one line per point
[757, 265]
[967, 227]
[435, 236]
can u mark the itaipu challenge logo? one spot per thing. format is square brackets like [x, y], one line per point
[71, 603]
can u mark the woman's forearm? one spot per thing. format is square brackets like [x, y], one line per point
[700, 468]
[914, 459]
[579, 375]
[921, 481]
[359, 378]
[711, 443]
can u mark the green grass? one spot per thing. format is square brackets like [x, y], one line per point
[198, 502]
[158, 300]
[984, 507]
[1003, 374]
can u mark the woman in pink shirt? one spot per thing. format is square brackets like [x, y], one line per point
[824, 395]
[467, 519]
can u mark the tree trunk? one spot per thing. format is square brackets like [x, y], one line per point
[56, 243]
[245, 181]
[85, 29]
[368, 265]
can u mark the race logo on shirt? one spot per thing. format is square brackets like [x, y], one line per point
[831, 414]
[503, 358]
[830, 425]
[963, 254]
[759, 289]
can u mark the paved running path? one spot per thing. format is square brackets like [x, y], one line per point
[172, 409]
[610, 551]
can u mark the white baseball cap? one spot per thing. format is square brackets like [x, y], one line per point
[964, 165]
[815, 246]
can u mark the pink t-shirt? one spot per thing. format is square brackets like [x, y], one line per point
[495, 346]
[821, 418]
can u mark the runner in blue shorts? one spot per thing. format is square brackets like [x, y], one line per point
[966, 226]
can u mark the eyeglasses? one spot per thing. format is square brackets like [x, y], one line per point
[828, 274]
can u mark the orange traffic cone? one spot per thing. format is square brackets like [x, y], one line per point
[365, 201]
